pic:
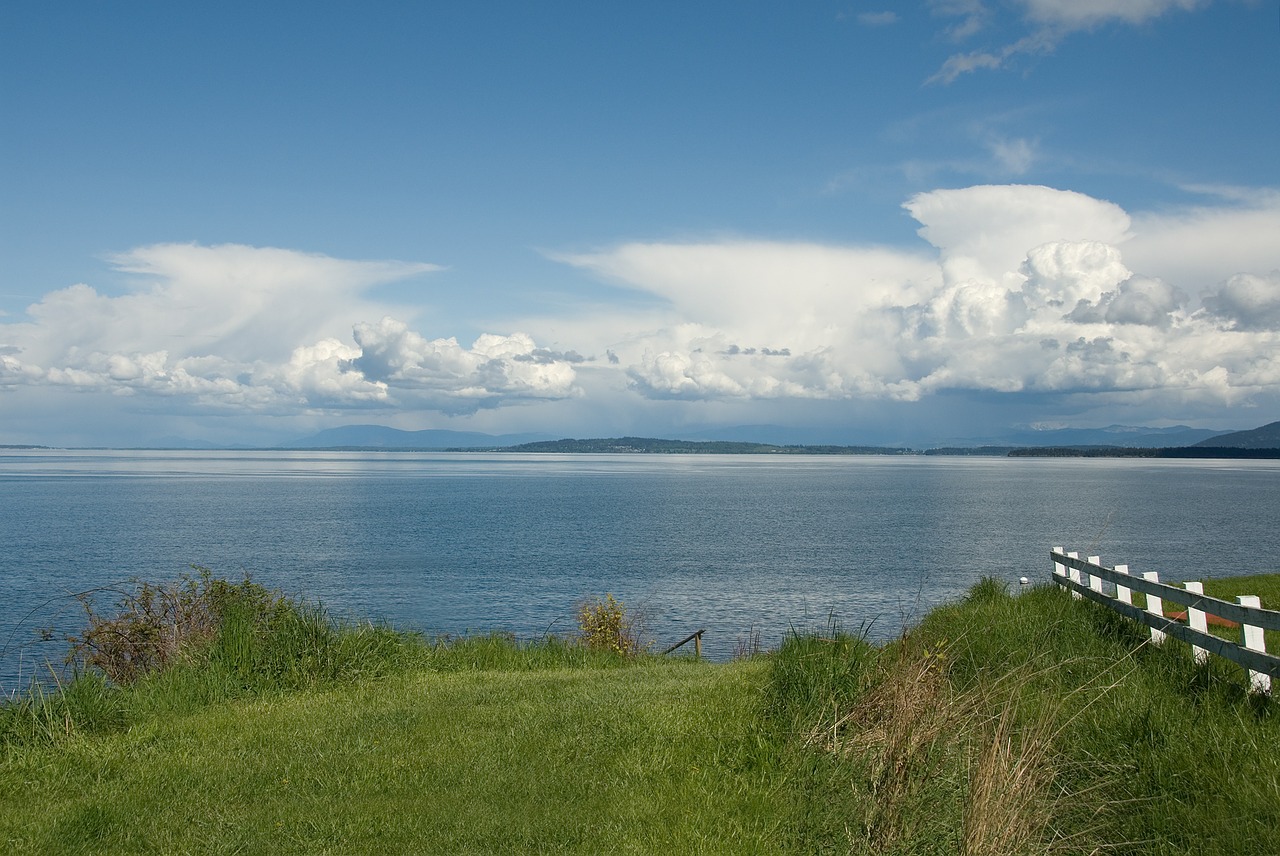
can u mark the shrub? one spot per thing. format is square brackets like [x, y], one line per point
[155, 625]
[605, 625]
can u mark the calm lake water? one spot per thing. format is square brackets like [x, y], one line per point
[455, 543]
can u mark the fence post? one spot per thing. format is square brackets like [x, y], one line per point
[1123, 594]
[1255, 639]
[1059, 569]
[1155, 606]
[1197, 621]
[1075, 577]
[1095, 582]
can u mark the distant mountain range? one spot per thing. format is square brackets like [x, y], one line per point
[1266, 437]
[382, 437]
[630, 445]
[1125, 436]
[1113, 436]
[1261, 442]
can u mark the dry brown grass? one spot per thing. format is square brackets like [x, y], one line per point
[1009, 805]
[932, 754]
[151, 626]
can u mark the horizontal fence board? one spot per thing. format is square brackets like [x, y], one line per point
[1265, 618]
[1256, 660]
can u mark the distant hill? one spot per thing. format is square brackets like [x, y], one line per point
[1113, 435]
[773, 435]
[1261, 442]
[1266, 437]
[382, 437]
[1125, 436]
[695, 447]
[174, 442]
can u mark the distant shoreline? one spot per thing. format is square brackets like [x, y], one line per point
[658, 446]
[1176, 452]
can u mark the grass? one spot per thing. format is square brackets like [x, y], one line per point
[1155, 754]
[1001, 725]
[639, 760]
[1265, 586]
[1028, 724]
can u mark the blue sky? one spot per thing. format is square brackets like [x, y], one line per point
[860, 222]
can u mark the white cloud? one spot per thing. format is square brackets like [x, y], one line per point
[974, 15]
[1014, 289]
[1013, 155]
[754, 319]
[986, 231]
[442, 375]
[877, 19]
[1029, 291]
[1069, 15]
[1247, 301]
[1196, 248]
[1049, 22]
[264, 330]
[958, 64]
[1137, 300]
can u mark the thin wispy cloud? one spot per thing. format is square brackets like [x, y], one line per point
[877, 19]
[1045, 23]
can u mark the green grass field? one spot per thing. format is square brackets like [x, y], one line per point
[639, 760]
[1004, 724]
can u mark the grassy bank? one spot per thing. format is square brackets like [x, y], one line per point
[1003, 724]
[639, 760]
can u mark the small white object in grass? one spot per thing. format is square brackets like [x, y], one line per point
[1022, 581]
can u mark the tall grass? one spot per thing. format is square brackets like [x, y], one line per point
[179, 647]
[1028, 724]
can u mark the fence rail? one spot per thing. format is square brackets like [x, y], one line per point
[696, 638]
[1113, 588]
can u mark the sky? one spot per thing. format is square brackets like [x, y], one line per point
[889, 223]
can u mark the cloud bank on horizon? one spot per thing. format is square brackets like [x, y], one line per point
[1022, 289]
[1020, 286]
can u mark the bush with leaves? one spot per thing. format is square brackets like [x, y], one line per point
[605, 625]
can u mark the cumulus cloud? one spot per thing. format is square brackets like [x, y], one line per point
[752, 319]
[265, 330]
[986, 231]
[1247, 301]
[1137, 300]
[1027, 289]
[1011, 289]
[442, 375]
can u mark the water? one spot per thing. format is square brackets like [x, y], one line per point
[740, 545]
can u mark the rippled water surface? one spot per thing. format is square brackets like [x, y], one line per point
[450, 543]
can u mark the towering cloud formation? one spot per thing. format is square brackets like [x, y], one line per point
[265, 329]
[1028, 291]
[1014, 289]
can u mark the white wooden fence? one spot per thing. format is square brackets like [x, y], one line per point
[1113, 587]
